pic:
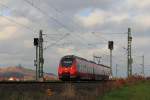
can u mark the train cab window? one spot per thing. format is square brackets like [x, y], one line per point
[67, 62]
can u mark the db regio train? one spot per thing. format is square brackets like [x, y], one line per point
[76, 68]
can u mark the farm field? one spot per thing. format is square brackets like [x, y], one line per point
[139, 91]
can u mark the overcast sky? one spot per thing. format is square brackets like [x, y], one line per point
[87, 26]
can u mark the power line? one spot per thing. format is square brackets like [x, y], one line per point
[23, 25]
[108, 33]
[57, 41]
[54, 19]
[107, 40]
[62, 13]
[57, 10]
[63, 37]
[13, 21]
[94, 33]
[50, 17]
[22, 14]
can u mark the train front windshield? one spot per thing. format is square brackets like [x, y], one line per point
[67, 62]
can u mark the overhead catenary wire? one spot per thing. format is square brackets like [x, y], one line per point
[68, 34]
[40, 10]
[16, 22]
[51, 6]
[53, 18]
[25, 26]
[60, 39]
[102, 37]
[13, 21]
[62, 14]
[116, 42]
[50, 17]
[22, 15]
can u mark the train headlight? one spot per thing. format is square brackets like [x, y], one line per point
[72, 70]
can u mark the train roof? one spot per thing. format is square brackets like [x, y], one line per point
[73, 56]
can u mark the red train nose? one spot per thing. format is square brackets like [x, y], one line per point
[66, 70]
[73, 70]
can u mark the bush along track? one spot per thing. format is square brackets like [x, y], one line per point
[133, 88]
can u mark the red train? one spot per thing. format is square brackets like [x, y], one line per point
[75, 68]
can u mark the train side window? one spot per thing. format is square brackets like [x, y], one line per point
[85, 69]
[81, 68]
[78, 66]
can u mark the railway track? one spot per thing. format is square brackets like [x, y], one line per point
[54, 85]
[51, 82]
[54, 89]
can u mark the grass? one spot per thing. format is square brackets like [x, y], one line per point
[139, 91]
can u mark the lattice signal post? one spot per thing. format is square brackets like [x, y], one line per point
[39, 61]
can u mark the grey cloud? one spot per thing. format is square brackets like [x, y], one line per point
[14, 51]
